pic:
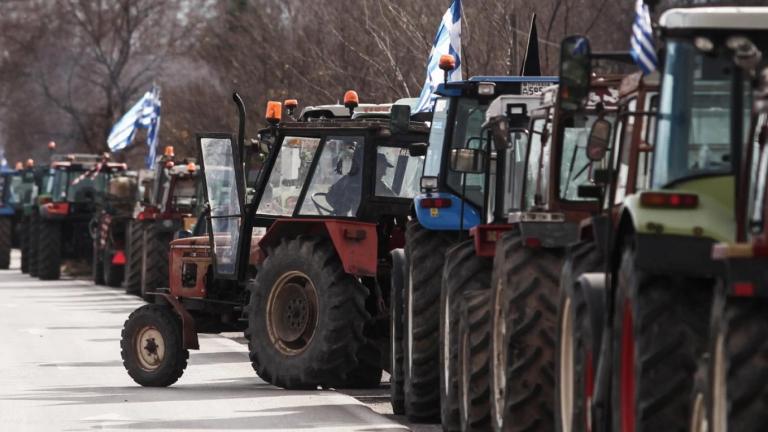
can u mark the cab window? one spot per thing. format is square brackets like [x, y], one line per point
[336, 185]
[282, 190]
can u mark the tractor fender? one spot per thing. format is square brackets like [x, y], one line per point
[188, 330]
[355, 242]
[445, 218]
[593, 285]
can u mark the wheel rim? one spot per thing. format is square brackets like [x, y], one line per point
[499, 356]
[566, 367]
[292, 313]
[627, 372]
[699, 418]
[446, 342]
[464, 363]
[409, 326]
[719, 388]
[150, 348]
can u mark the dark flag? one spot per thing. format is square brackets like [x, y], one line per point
[531, 65]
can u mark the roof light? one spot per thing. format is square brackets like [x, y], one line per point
[274, 112]
[168, 151]
[291, 104]
[435, 203]
[351, 100]
[51, 145]
[669, 200]
[30, 163]
[447, 62]
[486, 89]
[19, 166]
[191, 167]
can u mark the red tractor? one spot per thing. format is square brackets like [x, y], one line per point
[303, 265]
[172, 203]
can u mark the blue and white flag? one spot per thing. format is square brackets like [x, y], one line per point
[642, 46]
[447, 41]
[145, 114]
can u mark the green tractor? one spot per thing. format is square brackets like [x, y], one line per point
[76, 183]
[655, 293]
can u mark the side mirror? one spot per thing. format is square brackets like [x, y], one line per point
[599, 137]
[468, 161]
[417, 149]
[575, 72]
[399, 118]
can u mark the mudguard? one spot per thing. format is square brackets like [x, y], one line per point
[356, 243]
[189, 333]
[448, 218]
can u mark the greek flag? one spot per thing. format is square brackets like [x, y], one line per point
[642, 48]
[447, 41]
[145, 114]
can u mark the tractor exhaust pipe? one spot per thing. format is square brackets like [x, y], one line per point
[241, 123]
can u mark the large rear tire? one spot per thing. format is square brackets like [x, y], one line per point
[6, 242]
[34, 229]
[152, 348]
[399, 274]
[474, 339]
[527, 336]
[133, 255]
[737, 382]
[305, 317]
[463, 271]
[49, 250]
[660, 331]
[576, 342]
[425, 251]
[157, 245]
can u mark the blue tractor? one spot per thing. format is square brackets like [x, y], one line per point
[451, 203]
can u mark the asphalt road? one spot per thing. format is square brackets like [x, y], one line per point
[60, 370]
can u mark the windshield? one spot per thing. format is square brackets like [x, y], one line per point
[436, 137]
[467, 133]
[694, 123]
[281, 193]
[336, 185]
[536, 183]
[575, 167]
[515, 157]
[397, 173]
[185, 192]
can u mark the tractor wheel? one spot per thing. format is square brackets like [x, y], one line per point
[367, 374]
[474, 340]
[463, 271]
[525, 336]
[49, 251]
[738, 379]
[576, 342]
[5, 242]
[152, 348]
[24, 238]
[660, 330]
[499, 364]
[305, 317]
[425, 252]
[157, 246]
[33, 233]
[399, 272]
[113, 273]
[133, 257]
[97, 268]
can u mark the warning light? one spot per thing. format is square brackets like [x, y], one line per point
[30, 163]
[291, 104]
[168, 151]
[51, 145]
[19, 166]
[274, 112]
[447, 62]
[191, 167]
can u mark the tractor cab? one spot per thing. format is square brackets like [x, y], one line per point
[457, 119]
[172, 190]
[336, 169]
[77, 183]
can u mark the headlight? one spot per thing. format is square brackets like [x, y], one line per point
[428, 183]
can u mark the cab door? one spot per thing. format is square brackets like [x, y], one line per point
[223, 189]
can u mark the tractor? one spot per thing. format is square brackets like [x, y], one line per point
[109, 228]
[38, 177]
[450, 203]
[10, 180]
[171, 204]
[302, 266]
[730, 387]
[518, 313]
[655, 291]
[77, 183]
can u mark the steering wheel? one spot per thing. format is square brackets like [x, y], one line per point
[321, 208]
